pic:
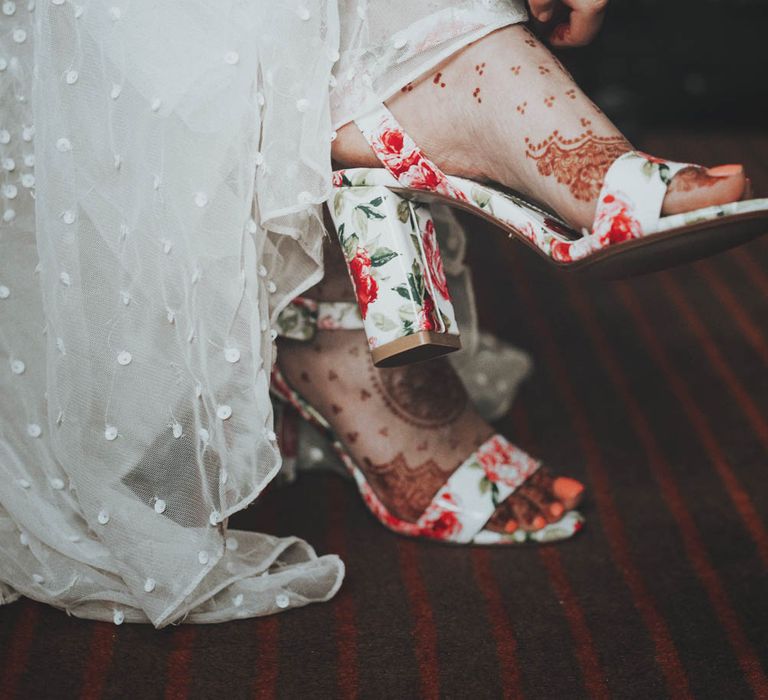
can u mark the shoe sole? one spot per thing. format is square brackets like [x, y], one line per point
[658, 251]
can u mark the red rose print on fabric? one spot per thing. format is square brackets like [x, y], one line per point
[390, 151]
[427, 315]
[392, 142]
[615, 222]
[434, 260]
[403, 158]
[561, 251]
[440, 523]
[366, 287]
[506, 464]
[421, 176]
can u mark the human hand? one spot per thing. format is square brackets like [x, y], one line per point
[583, 20]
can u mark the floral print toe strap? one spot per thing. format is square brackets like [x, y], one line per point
[401, 156]
[632, 195]
[465, 503]
[303, 317]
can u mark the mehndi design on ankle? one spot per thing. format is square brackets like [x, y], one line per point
[581, 163]
[428, 395]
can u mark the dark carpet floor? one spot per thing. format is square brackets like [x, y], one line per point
[654, 392]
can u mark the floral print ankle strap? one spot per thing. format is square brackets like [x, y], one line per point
[303, 317]
[401, 156]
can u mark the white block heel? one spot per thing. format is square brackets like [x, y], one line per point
[391, 251]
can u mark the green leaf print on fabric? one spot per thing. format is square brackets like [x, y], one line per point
[383, 323]
[403, 210]
[381, 256]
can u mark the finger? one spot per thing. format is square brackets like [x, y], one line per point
[582, 27]
[543, 10]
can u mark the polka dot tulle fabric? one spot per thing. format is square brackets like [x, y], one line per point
[162, 167]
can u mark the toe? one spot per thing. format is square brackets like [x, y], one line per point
[696, 188]
[561, 489]
[548, 507]
[568, 491]
[527, 514]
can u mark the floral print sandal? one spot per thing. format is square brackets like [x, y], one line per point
[459, 511]
[386, 231]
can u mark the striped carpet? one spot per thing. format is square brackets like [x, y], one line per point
[654, 392]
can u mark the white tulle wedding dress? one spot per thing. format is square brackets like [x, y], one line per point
[164, 164]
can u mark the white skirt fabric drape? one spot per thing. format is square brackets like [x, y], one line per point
[163, 170]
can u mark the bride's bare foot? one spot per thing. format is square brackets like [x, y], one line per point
[406, 428]
[504, 109]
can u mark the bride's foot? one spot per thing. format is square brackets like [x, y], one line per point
[407, 429]
[504, 109]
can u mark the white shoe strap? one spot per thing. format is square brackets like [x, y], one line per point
[303, 317]
[632, 196]
[465, 503]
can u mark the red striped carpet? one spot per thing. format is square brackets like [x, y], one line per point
[654, 392]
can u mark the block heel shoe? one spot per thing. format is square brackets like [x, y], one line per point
[628, 237]
[460, 509]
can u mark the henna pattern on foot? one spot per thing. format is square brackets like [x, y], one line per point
[427, 395]
[406, 489]
[581, 163]
[476, 95]
[521, 108]
[516, 70]
[480, 68]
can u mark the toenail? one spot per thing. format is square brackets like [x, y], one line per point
[556, 509]
[538, 522]
[511, 526]
[565, 488]
[725, 170]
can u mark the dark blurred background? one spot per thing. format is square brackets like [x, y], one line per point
[675, 63]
